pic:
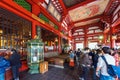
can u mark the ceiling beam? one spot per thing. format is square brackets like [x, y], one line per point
[70, 26]
[80, 4]
[116, 23]
[63, 6]
[91, 40]
[95, 17]
[108, 6]
[88, 35]
[65, 12]
[89, 25]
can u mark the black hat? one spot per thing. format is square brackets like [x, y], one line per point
[13, 50]
[106, 49]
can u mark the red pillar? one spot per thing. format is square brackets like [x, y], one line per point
[104, 38]
[59, 44]
[33, 30]
[112, 41]
[85, 37]
[74, 46]
[36, 11]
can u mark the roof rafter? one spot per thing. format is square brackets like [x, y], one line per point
[88, 35]
[108, 6]
[81, 27]
[63, 6]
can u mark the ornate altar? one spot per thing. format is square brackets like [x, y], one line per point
[35, 55]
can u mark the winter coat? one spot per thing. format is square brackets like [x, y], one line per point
[3, 64]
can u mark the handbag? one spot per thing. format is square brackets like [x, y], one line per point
[112, 70]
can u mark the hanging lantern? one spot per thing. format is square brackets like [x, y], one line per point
[114, 37]
[56, 40]
[101, 37]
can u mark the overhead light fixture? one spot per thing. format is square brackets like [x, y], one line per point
[101, 37]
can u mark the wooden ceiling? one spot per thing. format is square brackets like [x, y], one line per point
[84, 12]
[77, 14]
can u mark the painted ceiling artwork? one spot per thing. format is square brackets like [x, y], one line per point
[86, 22]
[87, 11]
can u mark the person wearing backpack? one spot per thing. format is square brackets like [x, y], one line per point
[116, 56]
[102, 67]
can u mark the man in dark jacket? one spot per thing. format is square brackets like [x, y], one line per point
[78, 56]
[15, 63]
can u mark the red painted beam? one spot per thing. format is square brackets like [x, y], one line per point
[70, 26]
[81, 4]
[63, 6]
[65, 12]
[94, 40]
[14, 8]
[95, 34]
[108, 6]
[116, 29]
[78, 42]
[95, 17]
[81, 41]
[63, 29]
[89, 25]
[116, 23]
[88, 35]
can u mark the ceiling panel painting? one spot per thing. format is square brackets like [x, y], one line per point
[86, 22]
[87, 11]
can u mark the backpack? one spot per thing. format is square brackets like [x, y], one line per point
[112, 70]
[78, 53]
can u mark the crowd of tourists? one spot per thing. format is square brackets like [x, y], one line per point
[89, 59]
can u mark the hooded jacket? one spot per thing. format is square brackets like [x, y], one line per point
[3, 64]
